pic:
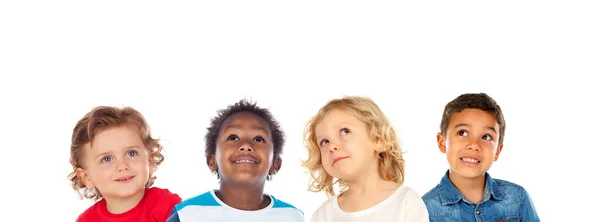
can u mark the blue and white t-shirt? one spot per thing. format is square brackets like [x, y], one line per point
[208, 207]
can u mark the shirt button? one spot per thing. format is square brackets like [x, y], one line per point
[478, 212]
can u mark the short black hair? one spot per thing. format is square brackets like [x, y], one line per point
[278, 137]
[479, 101]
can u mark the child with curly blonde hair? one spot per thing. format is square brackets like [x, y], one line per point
[114, 156]
[351, 142]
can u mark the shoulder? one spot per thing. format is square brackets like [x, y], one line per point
[432, 195]
[91, 212]
[277, 203]
[155, 193]
[282, 205]
[324, 209]
[409, 194]
[204, 199]
[510, 190]
[161, 199]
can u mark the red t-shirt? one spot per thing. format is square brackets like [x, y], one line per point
[156, 205]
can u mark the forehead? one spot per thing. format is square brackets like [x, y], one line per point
[115, 138]
[474, 117]
[245, 121]
[336, 117]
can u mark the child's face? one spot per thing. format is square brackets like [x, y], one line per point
[471, 142]
[347, 152]
[116, 163]
[244, 151]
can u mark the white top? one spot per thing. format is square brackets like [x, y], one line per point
[402, 205]
[208, 207]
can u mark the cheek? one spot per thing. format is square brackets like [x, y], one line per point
[98, 174]
[142, 163]
[325, 158]
[455, 143]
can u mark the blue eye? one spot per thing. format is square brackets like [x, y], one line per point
[323, 142]
[345, 131]
[132, 153]
[259, 139]
[106, 159]
[233, 137]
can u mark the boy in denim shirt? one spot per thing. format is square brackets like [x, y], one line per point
[471, 136]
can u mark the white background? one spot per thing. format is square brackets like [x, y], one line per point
[178, 63]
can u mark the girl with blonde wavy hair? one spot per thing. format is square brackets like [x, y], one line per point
[351, 142]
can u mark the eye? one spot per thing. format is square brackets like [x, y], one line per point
[487, 137]
[132, 153]
[344, 131]
[233, 137]
[259, 139]
[463, 133]
[324, 142]
[106, 159]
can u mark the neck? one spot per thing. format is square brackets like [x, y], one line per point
[368, 183]
[471, 188]
[122, 205]
[243, 196]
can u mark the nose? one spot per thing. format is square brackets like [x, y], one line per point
[122, 165]
[246, 147]
[333, 147]
[474, 145]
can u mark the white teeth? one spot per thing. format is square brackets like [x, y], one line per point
[244, 161]
[470, 160]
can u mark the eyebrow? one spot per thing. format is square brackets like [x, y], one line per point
[467, 125]
[125, 148]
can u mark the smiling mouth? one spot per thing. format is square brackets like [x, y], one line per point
[245, 161]
[470, 160]
[124, 179]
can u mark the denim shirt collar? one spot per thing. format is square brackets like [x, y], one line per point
[450, 194]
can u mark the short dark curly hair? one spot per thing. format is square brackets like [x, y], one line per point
[481, 101]
[278, 137]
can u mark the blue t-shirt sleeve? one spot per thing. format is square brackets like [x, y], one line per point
[174, 216]
[528, 209]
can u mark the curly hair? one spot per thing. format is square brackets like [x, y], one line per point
[391, 163]
[278, 137]
[101, 118]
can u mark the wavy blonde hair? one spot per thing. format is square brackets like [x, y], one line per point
[102, 118]
[391, 162]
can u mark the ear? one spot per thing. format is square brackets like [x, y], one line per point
[498, 151]
[85, 178]
[378, 147]
[441, 143]
[276, 166]
[211, 163]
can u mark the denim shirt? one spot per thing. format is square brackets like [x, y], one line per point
[502, 201]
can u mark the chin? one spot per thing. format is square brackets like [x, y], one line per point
[246, 179]
[344, 175]
[469, 173]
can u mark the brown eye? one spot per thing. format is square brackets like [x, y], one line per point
[233, 137]
[259, 139]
